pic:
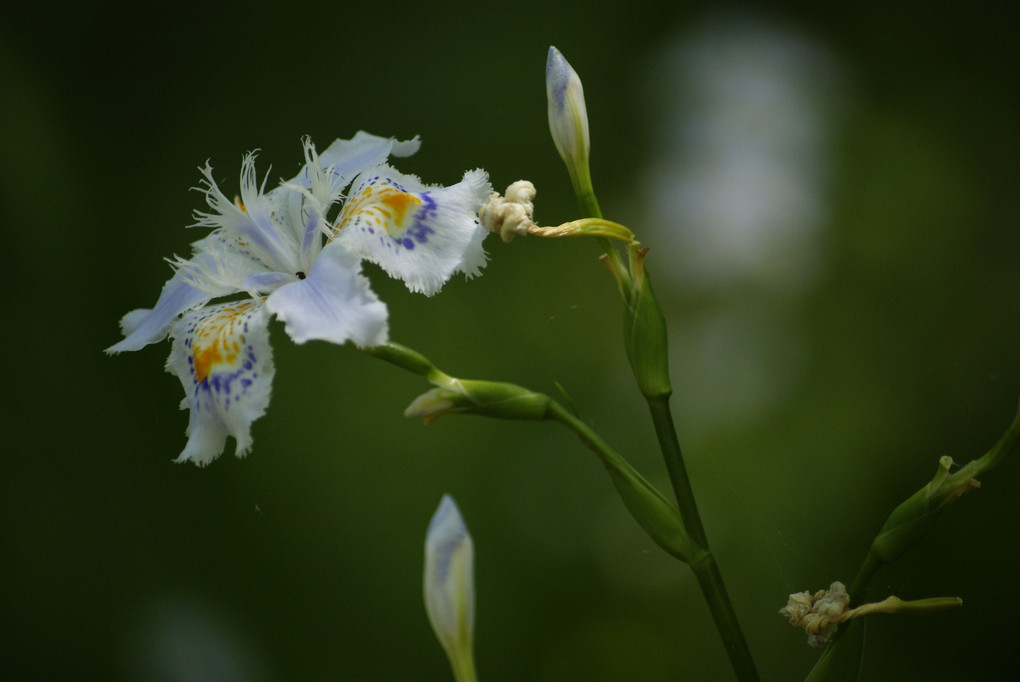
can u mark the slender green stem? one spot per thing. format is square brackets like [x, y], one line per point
[712, 586]
[585, 227]
[588, 203]
[705, 568]
[597, 444]
[707, 571]
[580, 178]
[594, 441]
[703, 563]
[662, 419]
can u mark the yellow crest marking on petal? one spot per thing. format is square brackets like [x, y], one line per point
[216, 341]
[382, 206]
[398, 202]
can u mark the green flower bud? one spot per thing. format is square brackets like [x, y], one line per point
[652, 511]
[433, 404]
[910, 521]
[486, 398]
[645, 337]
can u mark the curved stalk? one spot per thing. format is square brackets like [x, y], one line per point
[703, 562]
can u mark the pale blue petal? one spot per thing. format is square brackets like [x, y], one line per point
[221, 355]
[149, 325]
[266, 282]
[350, 157]
[333, 303]
[445, 533]
[419, 234]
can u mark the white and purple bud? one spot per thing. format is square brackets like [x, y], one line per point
[449, 586]
[568, 117]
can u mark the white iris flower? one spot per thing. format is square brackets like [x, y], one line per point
[296, 252]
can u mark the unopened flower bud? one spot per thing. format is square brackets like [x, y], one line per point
[915, 516]
[449, 586]
[432, 405]
[653, 512]
[487, 398]
[645, 334]
[568, 117]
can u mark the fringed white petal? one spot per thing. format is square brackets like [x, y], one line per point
[220, 267]
[221, 355]
[419, 234]
[256, 225]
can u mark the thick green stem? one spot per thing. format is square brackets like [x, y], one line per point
[670, 447]
[707, 571]
[712, 586]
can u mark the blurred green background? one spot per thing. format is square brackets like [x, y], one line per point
[829, 193]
